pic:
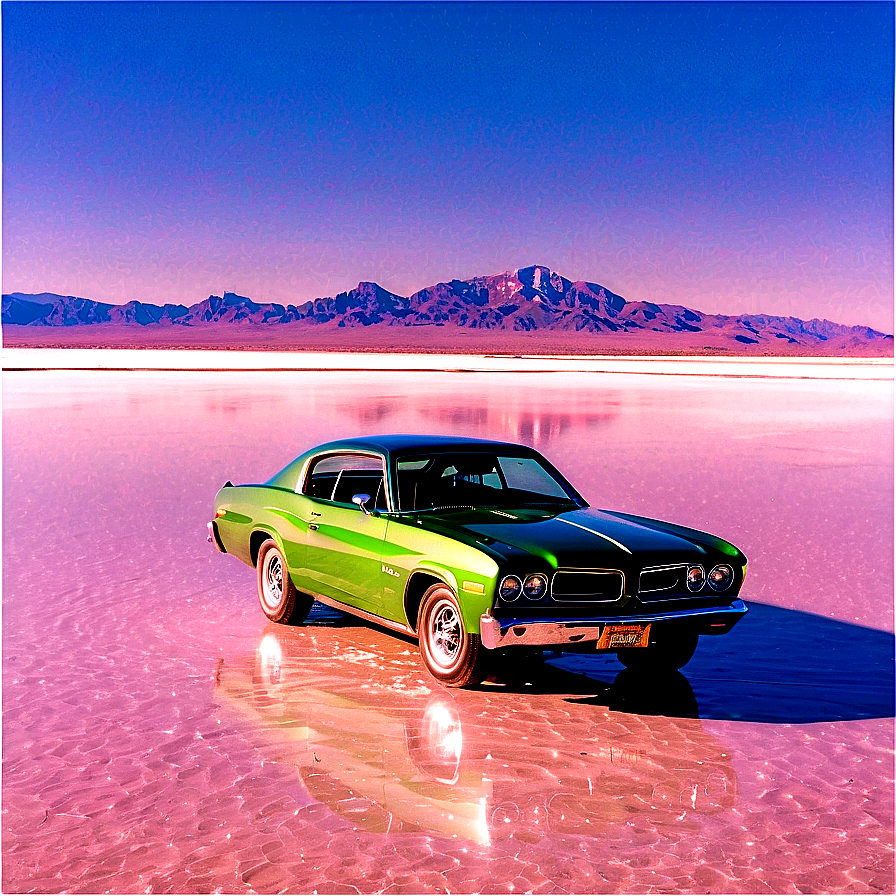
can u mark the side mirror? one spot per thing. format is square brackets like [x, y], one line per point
[361, 500]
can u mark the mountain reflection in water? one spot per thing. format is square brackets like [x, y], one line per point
[512, 415]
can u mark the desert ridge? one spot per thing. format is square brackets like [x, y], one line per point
[530, 310]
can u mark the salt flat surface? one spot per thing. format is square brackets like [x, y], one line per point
[160, 736]
[171, 359]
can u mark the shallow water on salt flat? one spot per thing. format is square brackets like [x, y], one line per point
[159, 735]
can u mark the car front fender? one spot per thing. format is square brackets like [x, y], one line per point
[466, 586]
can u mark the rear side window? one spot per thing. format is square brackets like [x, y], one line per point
[339, 477]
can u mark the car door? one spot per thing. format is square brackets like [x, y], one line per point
[343, 557]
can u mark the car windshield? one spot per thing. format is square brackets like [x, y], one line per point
[476, 479]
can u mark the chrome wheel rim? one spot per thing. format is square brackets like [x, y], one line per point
[445, 634]
[272, 581]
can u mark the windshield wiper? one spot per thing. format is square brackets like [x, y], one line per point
[448, 507]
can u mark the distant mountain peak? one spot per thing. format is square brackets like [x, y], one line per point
[528, 299]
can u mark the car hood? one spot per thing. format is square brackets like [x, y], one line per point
[581, 538]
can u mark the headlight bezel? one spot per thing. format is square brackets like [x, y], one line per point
[695, 586]
[727, 583]
[508, 579]
[543, 579]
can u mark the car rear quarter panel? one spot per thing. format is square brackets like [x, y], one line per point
[253, 508]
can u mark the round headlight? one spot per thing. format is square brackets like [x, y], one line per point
[720, 577]
[535, 587]
[510, 588]
[696, 578]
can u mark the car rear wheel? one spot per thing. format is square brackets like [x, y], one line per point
[671, 650]
[451, 654]
[276, 593]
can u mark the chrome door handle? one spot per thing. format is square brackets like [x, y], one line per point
[313, 526]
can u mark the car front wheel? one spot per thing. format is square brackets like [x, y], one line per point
[452, 655]
[670, 651]
[276, 593]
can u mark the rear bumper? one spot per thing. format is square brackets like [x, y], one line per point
[213, 536]
[496, 633]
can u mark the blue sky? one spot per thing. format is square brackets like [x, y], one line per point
[733, 157]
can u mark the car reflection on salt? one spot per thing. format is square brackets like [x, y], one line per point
[390, 757]
[475, 547]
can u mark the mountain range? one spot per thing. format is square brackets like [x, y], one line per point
[528, 300]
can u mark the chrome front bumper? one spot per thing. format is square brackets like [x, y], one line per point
[548, 632]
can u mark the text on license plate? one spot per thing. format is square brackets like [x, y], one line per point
[614, 636]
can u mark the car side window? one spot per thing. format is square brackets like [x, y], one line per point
[339, 477]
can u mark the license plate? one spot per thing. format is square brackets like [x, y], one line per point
[615, 636]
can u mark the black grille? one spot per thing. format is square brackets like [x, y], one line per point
[663, 582]
[580, 585]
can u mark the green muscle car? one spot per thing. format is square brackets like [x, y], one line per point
[475, 547]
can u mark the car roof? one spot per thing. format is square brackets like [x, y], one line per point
[397, 444]
[404, 442]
